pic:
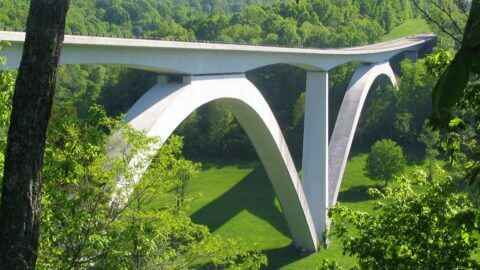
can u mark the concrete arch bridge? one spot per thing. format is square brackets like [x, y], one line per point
[217, 72]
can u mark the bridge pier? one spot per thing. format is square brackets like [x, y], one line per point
[315, 149]
[324, 162]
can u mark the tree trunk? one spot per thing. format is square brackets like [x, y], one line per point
[32, 104]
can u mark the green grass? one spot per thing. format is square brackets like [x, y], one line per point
[237, 201]
[408, 28]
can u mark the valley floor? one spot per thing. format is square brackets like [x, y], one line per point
[236, 200]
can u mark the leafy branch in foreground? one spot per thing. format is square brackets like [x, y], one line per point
[421, 224]
[83, 229]
[7, 84]
[451, 86]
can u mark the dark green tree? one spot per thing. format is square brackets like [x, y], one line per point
[430, 137]
[384, 161]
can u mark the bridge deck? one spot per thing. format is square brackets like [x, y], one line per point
[209, 58]
[147, 43]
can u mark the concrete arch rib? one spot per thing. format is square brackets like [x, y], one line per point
[164, 107]
[347, 121]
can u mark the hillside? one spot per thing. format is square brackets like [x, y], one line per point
[408, 28]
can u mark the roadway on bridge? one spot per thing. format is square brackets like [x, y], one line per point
[148, 43]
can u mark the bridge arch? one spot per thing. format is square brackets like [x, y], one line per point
[348, 118]
[164, 107]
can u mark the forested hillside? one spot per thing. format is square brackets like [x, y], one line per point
[213, 130]
[316, 23]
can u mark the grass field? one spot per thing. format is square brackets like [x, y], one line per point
[410, 27]
[237, 201]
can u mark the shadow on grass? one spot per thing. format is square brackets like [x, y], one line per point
[254, 193]
[216, 163]
[280, 257]
[356, 194]
[414, 155]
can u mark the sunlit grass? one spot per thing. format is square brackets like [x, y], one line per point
[408, 28]
[238, 201]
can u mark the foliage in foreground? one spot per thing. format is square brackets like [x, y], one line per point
[421, 224]
[83, 227]
[460, 136]
[453, 81]
[7, 83]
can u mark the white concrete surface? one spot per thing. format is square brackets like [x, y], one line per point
[347, 121]
[315, 147]
[207, 58]
[163, 108]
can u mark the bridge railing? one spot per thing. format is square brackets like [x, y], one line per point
[149, 37]
[192, 40]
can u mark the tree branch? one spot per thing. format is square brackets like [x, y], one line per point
[449, 15]
[435, 22]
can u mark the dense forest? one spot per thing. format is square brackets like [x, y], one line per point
[310, 23]
[212, 129]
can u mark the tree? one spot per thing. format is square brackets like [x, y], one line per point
[432, 229]
[452, 84]
[456, 99]
[385, 160]
[183, 171]
[81, 228]
[414, 97]
[32, 104]
[431, 139]
[116, 14]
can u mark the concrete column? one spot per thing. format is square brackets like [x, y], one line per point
[315, 149]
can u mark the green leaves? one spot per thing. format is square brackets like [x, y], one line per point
[451, 85]
[385, 160]
[472, 30]
[84, 227]
[420, 224]
[436, 63]
[473, 36]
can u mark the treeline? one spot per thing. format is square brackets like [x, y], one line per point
[315, 23]
[212, 130]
